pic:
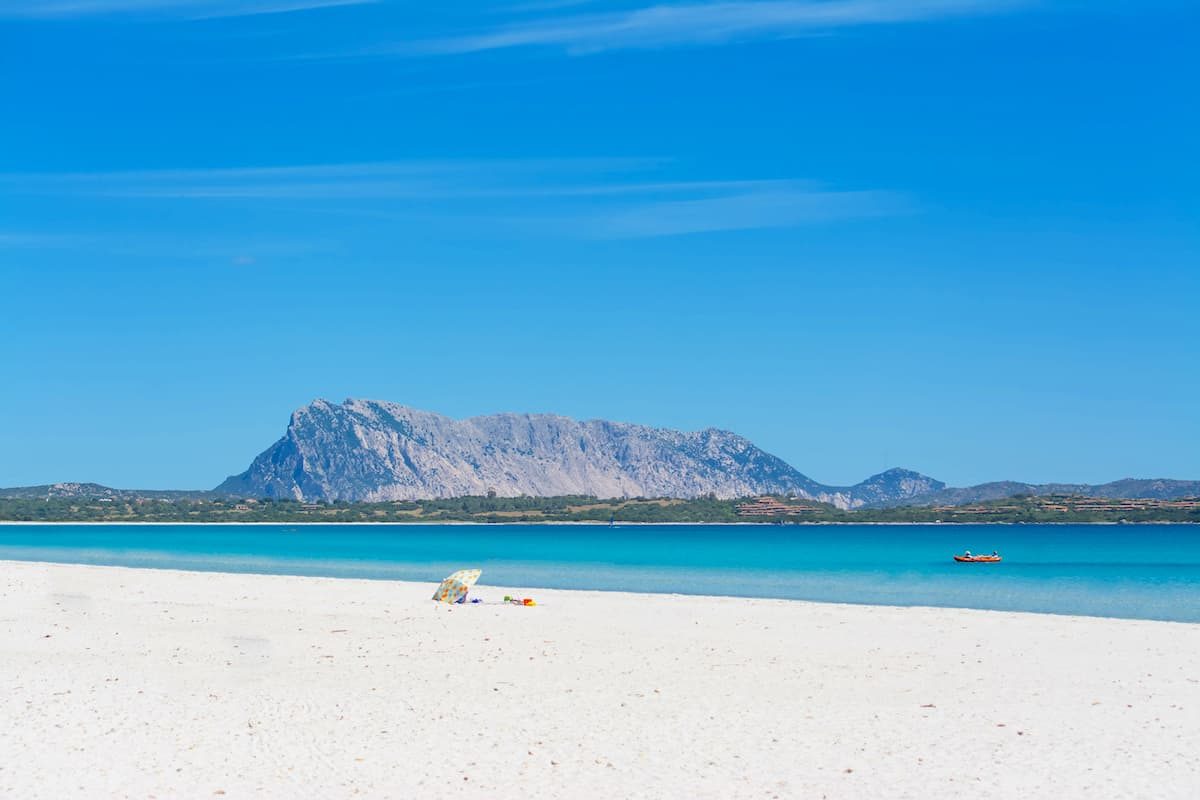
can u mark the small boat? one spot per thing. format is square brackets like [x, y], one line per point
[970, 559]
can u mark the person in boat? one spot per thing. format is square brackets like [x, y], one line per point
[967, 554]
[995, 554]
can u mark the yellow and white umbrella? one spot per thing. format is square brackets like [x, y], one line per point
[457, 585]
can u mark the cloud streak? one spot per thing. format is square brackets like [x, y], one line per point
[427, 179]
[159, 9]
[675, 25]
[748, 210]
[585, 197]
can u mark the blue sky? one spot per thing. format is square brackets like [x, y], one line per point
[955, 235]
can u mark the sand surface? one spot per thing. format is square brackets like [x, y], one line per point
[145, 683]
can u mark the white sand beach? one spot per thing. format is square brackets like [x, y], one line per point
[144, 683]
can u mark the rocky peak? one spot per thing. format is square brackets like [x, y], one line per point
[376, 450]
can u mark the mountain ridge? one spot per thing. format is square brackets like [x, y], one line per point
[376, 450]
[370, 450]
[1122, 489]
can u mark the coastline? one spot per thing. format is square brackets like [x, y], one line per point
[625, 595]
[133, 681]
[526, 590]
[600, 523]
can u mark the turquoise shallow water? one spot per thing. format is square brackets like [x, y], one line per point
[1134, 571]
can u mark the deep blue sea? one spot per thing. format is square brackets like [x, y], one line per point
[1134, 571]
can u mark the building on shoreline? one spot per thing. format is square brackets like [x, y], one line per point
[772, 507]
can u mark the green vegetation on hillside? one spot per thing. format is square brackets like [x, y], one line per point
[581, 509]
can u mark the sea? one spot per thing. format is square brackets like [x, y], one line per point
[1129, 571]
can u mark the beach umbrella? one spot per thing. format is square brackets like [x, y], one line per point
[457, 585]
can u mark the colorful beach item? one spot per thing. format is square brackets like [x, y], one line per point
[455, 587]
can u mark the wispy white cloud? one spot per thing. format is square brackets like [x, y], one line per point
[668, 25]
[19, 241]
[589, 197]
[161, 9]
[446, 179]
[546, 5]
[748, 210]
[199, 246]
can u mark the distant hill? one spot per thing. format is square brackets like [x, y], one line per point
[95, 490]
[58, 490]
[366, 450]
[1126, 489]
